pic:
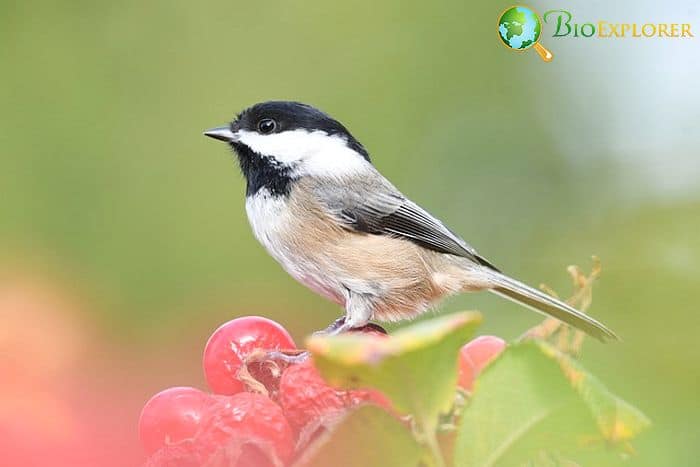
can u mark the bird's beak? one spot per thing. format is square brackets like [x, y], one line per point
[222, 133]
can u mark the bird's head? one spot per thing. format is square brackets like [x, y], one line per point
[293, 137]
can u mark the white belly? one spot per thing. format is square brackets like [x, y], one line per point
[269, 217]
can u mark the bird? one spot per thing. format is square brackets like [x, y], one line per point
[320, 208]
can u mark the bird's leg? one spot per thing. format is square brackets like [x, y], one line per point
[358, 311]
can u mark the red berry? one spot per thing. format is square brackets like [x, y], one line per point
[247, 428]
[232, 342]
[306, 397]
[172, 416]
[475, 355]
[183, 454]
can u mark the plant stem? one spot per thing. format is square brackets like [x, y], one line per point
[435, 451]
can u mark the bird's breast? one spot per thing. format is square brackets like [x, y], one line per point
[268, 216]
[294, 235]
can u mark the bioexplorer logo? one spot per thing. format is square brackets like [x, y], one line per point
[564, 25]
[520, 28]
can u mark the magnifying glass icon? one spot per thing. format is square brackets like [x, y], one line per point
[519, 28]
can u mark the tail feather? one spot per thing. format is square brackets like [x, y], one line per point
[541, 302]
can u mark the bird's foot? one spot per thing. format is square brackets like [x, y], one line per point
[339, 326]
[336, 327]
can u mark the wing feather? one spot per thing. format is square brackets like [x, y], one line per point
[377, 207]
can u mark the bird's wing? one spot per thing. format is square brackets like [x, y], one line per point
[375, 206]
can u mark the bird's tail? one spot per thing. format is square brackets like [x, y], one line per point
[548, 305]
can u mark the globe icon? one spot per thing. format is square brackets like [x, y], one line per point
[519, 27]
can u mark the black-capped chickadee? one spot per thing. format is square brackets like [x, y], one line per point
[333, 222]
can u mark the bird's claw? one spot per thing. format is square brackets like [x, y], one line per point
[339, 327]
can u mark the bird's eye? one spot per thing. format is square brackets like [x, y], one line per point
[267, 125]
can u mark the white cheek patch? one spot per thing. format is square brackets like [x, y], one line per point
[310, 152]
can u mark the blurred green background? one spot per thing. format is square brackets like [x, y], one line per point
[108, 186]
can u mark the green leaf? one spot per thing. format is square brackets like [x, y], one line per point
[617, 420]
[367, 437]
[525, 407]
[416, 367]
